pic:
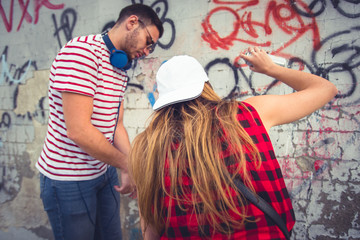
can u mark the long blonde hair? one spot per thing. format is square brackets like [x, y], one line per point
[196, 127]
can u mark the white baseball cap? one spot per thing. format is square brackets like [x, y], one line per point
[179, 79]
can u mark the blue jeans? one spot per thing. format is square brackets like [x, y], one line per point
[83, 210]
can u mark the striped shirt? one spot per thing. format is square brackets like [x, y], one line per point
[82, 66]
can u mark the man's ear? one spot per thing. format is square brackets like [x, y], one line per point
[132, 22]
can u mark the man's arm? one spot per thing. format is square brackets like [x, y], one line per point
[77, 115]
[121, 140]
[122, 143]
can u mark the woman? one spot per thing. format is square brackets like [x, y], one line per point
[185, 162]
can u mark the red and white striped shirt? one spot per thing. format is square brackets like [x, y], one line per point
[82, 66]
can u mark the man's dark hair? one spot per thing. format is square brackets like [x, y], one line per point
[145, 13]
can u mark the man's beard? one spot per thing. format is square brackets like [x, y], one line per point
[131, 41]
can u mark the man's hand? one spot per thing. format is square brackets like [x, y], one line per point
[127, 186]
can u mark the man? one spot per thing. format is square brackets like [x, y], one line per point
[86, 139]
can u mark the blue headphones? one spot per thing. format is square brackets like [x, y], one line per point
[118, 58]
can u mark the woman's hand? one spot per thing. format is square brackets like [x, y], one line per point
[259, 60]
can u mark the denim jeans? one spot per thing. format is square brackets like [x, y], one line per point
[83, 210]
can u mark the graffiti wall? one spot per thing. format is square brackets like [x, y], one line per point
[319, 155]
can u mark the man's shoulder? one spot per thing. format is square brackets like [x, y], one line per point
[92, 40]
[89, 45]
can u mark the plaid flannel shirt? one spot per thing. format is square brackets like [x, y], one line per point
[267, 181]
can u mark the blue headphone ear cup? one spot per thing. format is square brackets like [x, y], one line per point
[119, 59]
[127, 66]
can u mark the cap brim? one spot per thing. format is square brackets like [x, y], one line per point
[179, 95]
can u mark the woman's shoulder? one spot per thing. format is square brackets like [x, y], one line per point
[246, 109]
[248, 116]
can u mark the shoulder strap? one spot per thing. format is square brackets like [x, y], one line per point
[263, 206]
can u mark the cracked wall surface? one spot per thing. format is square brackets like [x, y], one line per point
[319, 154]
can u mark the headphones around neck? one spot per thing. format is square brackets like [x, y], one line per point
[118, 58]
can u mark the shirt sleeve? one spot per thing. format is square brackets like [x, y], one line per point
[76, 69]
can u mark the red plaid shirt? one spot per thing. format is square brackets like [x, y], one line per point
[267, 181]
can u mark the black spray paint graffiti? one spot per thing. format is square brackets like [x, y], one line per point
[5, 120]
[345, 57]
[12, 74]
[317, 7]
[344, 60]
[235, 92]
[67, 24]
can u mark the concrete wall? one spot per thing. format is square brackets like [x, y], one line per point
[319, 154]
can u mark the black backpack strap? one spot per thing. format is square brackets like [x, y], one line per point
[263, 206]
